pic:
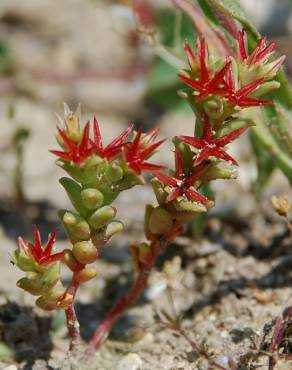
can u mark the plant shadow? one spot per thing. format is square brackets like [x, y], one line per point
[25, 333]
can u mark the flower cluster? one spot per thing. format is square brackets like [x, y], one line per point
[219, 91]
[236, 82]
[134, 153]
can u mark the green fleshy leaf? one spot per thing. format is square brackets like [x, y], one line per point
[264, 164]
[73, 190]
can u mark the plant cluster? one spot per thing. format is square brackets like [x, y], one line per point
[218, 90]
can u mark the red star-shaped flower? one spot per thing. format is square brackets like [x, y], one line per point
[260, 53]
[209, 146]
[180, 184]
[241, 97]
[208, 83]
[113, 149]
[74, 152]
[42, 255]
[138, 151]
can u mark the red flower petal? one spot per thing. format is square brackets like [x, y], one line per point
[189, 53]
[50, 243]
[54, 258]
[68, 143]
[253, 102]
[150, 167]
[192, 83]
[203, 155]
[203, 55]
[265, 52]
[193, 141]
[37, 240]
[97, 136]
[226, 139]
[198, 172]
[175, 193]
[166, 179]
[260, 46]
[178, 164]
[241, 39]
[193, 195]
[219, 76]
[247, 89]
[220, 153]
[85, 139]
[118, 141]
[63, 155]
[146, 152]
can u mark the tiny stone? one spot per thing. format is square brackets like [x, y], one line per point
[212, 317]
[10, 367]
[224, 334]
[230, 269]
[155, 290]
[130, 362]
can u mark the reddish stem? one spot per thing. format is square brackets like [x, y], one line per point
[135, 291]
[72, 320]
[121, 305]
[73, 327]
[124, 302]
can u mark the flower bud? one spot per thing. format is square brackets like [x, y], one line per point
[214, 108]
[266, 88]
[235, 124]
[47, 306]
[70, 261]
[85, 274]
[72, 121]
[101, 216]
[148, 211]
[92, 198]
[85, 252]
[24, 262]
[98, 239]
[77, 228]
[50, 277]
[189, 206]
[53, 295]
[29, 286]
[281, 204]
[158, 191]
[113, 228]
[221, 171]
[160, 221]
[145, 254]
[114, 173]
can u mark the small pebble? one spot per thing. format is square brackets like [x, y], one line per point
[224, 334]
[10, 367]
[130, 362]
